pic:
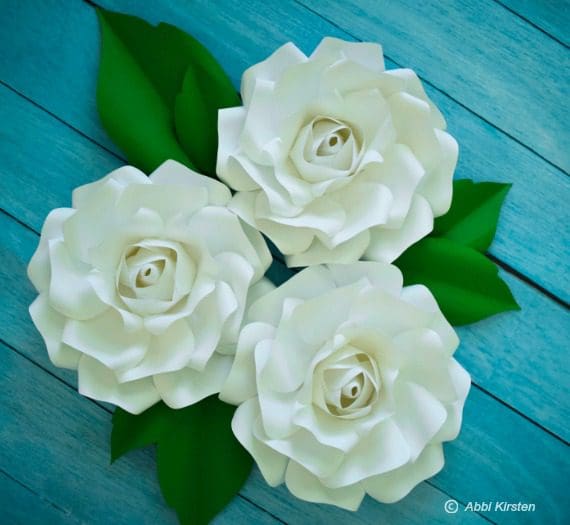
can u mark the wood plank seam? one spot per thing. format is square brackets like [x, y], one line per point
[513, 271]
[67, 513]
[531, 23]
[437, 88]
[60, 120]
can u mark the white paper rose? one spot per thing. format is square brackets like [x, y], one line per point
[334, 158]
[143, 285]
[347, 384]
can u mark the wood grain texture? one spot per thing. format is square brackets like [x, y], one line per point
[528, 239]
[496, 64]
[487, 347]
[22, 506]
[552, 16]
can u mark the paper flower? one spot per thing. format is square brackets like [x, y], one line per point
[334, 158]
[143, 285]
[347, 384]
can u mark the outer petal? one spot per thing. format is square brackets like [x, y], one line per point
[39, 267]
[50, 325]
[381, 450]
[307, 486]
[326, 429]
[270, 69]
[411, 117]
[240, 384]
[309, 283]
[271, 463]
[230, 126]
[207, 323]
[401, 172]
[366, 54]
[168, 352]
[462, 382]
[98, 382]
[419, 415]
[171, 172]
[70, 290]
[387, 245]
[188, 386]
[366, 205]
[437, 187]
[345, 253]
[422, 298]
[394, 485]
[104, 338]
[121, 177]
[385, 276]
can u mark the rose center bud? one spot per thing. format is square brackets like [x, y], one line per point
[351, 382]
[154, 275]
[329, 137]
[149, 273]
[332, 143]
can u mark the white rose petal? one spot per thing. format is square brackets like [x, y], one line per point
[346, 384]
[144, 284]
[334, 158]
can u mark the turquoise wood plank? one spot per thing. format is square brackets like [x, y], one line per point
[64, 82]
[522, 357]
[504, 458]
[56, 443]
[67, 71]
[425, 505]
[487, 432]
[551, 16]
[37, 182]
[479, 53]
[21, 506]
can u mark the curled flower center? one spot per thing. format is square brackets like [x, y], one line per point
[150, 273]
[325, 149]
[153, 275]
[329, 137]
[350, 383]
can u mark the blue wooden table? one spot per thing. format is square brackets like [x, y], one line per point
[499, 71]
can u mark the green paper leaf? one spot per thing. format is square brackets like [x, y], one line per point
[201, 466]
[205, 90]
[142, 86]
[464, 282]
[472, 218]
[196, 116]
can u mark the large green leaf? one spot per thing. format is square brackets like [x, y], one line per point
[201, 466]
[472, 218]
[196, 115]
[141, 86]
[464, 282]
